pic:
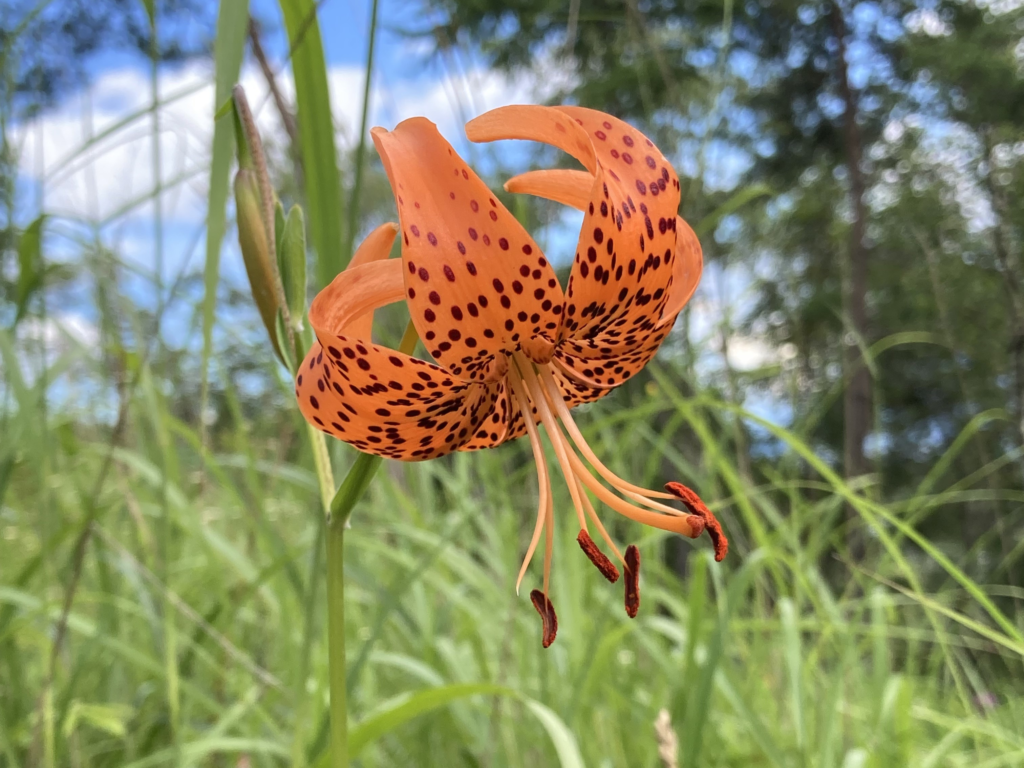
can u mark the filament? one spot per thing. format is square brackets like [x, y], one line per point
[673, 523]
[565, 416]
[551, 425]
[544, 506]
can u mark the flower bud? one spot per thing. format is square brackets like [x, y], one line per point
[259, 265]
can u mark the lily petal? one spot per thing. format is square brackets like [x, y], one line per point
[379, 400]
[387, 403]
[623, 265]
[686, 271]
[493, 429]
[343, 306]
[571, 188]
[548, 125]
[476, 283]
[376, 247]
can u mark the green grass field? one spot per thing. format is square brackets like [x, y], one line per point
[197, 630]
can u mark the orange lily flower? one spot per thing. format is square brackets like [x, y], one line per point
[512, 351]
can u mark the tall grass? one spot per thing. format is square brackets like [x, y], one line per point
[193, 555]
[759, 660]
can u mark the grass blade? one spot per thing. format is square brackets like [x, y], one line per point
[232, 21]
[316, 132]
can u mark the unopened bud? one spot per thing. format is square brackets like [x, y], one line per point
[259, 264]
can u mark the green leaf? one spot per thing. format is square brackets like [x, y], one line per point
[738, 200]
[232, 23]
[791, 637]
[150, 7]
[316, 130]
[407, 706]
[402, 708]
[565, 743]
[111, 718]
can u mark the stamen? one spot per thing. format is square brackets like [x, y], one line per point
[564, 415]
[597, 521]
[549, 549]
[684, 526]
[597, 557]
[544, 505]
[547, 614]
[632, 581]
[639, 498]
[693, 503]
[558, 441]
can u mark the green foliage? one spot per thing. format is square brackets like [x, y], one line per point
[760, 659]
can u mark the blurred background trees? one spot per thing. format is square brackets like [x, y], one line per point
[887, 138]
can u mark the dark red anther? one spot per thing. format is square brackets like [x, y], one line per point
[546, 610]
[597, 557]
[708, 520]
[632, 581]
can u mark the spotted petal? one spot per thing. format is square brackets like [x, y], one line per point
[622, 270]
[593, 367]
[476, 282]
[379, 400]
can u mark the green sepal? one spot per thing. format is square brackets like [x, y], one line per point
[286, 354]
[278, 230]
[292, 261]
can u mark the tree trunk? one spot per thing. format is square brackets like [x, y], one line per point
[857, 397]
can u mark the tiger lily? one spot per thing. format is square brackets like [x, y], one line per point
[512, 352]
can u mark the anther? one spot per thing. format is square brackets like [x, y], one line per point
[597, 557]
[697, 507]
[632, 581]
[547, 614]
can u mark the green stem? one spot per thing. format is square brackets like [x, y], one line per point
[352, 489]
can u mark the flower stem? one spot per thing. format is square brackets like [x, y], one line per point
[352, 489]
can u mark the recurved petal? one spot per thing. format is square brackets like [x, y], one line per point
[622, 267]
[571, 188]
[493, 428]
[476, 282]
[379, 400]
[623, 263]
[548, 125]
[344, 306]
[376, 247]
[591, 364]
[387, 403]
[604, 368]
[686, 271]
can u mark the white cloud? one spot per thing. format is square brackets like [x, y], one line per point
[927, 21]
[98, 182]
